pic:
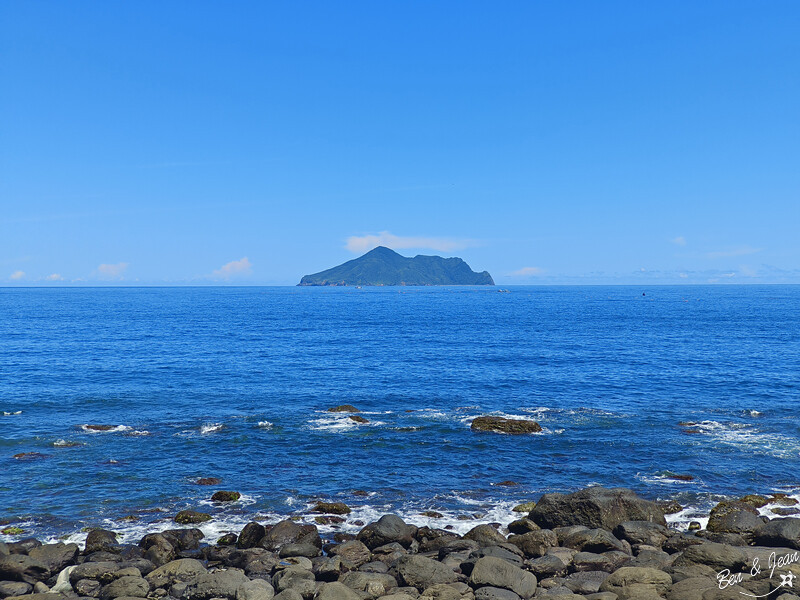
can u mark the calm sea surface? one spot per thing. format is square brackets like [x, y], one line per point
[630, 389]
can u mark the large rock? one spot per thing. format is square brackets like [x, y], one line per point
[191, 517]
[642, 532]
[255, 589]
[388, 529]
[485, 535]
[535, 543]
[55, 556]
[373, 584]
[100, 540]
[595, 507]
[779, 533]
[103, 572]
[157, 548]
[286, 532]
[501, 425]
[637, 583]
[353, 554]
[14, 588]
[594, 540]
[421, 572]
[20, 567]
[251, 535]
[221, 584]
[184, 539]
[290, 578]
[183, 569]
[692, 588]
[714, 555]
[125, 587]
[495, 572]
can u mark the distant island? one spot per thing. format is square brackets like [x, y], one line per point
[383, 266]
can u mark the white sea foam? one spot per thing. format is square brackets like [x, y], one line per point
[12, 413]
[681, 520]
[115, 429]
[265, 424]
[62, 443]
[207, 428]
[662, 478]
[746, 437]
[139, 432]
[339, 422]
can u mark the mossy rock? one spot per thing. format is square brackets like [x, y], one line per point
[224, 496]
[331, 508]
[783, 500]
[344, 408]
[191, 517]
[12, 531]
[501, 425]
[358, 419]
[525, 507]
[670, 507]
[432, 514]
[754, 500]
[229, 539]
[328, 520]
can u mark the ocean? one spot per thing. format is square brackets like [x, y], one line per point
[633, 386]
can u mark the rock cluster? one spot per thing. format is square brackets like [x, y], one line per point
[599, 544]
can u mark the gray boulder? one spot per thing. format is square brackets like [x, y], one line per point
[221, 584]
[485, 535]
[642, 532]
[495, 572]
[255, 589]
[21, 567]
[288, 595]
[125, 587]
[183, 569]
[594, 540]
[493, 593]
[289, 578]
[55, 556]
[100, 540]
[716, 556]
[595, 507]
[14, 588]
[388, 529]
[637, 583]
[353, 554]
[535, 543]
[421, 572]
[692, 588]
[104, 572]
[251, 535]
[779, 533]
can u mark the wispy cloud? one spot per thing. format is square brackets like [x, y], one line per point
[364, 243]
[679, 241]
[54, 277]
[17, 275]
[733, 252]
[109, 271]
[235, 268]
[527, 272]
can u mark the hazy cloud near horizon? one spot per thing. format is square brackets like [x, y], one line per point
[235, 268]
[112, 271]
[365, 243]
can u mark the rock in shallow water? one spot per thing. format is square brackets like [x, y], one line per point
[501, 425]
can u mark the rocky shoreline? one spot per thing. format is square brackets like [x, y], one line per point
[598, 543]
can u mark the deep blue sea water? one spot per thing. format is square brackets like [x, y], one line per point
[235, 382]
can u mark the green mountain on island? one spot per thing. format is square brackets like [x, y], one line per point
[383, 266]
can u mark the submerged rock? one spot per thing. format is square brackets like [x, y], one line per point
[501, 425]
[224, 496]
[188, 517]
[344, 408]
[331, 508]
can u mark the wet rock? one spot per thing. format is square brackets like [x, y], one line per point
[251, 535]
[104, 572]
[358, 419]
[209, 481]
[637, 583]
[548, 566]
[432, 514]
[87, 587]
[225, 496]
[595, 507]
[495, 572]
[388, 529]
[716, 556]
[183, 569]
[283, 532]
[344, 408]
[727, 513]
[333, 508]
[184, 539]
[421, 572]
[21, 567]
[485, 535]
[157, 548]
[100, 540]
[670, 507]
[191, 517]
[328, 520]
[525, 507]
[125, 587]
[501, 425]
[229, 539]
[221, 584]
[754, 500]
[55, 556]
[522, 526]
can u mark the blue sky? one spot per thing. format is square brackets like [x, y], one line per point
[256, 142]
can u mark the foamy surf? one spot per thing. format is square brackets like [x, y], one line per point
[207, 428]
[105, 428]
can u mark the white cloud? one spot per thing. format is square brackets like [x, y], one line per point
[527, 272]
[17, 275]
[54, 277]
[740, 251]
[683, 275]
[115, 271]
[364, 243]
[679, 241]
[235, 268]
